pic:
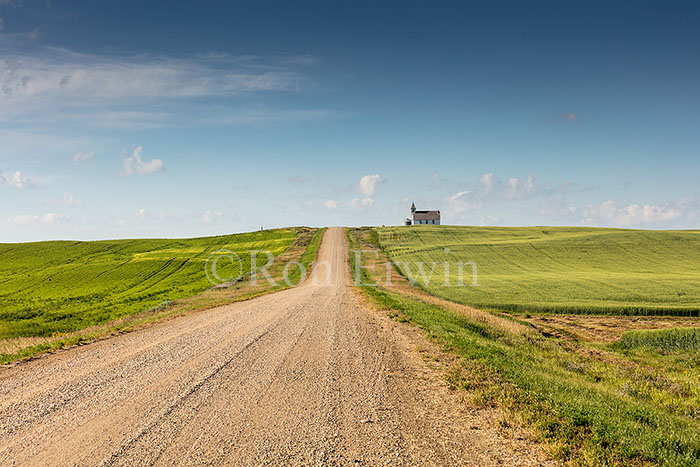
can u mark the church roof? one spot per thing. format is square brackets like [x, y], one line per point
[426, 215]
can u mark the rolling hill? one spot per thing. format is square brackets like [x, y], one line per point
[556, 269]
[62, 286]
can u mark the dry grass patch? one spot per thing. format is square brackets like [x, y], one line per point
[605, 329]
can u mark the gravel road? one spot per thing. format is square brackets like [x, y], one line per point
[308, 375]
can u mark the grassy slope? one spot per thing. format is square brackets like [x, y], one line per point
[559, 269]
[58, 287]
[591, 405]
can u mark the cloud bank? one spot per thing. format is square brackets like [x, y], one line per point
[61, 73]
[628, 215]
[490, 190]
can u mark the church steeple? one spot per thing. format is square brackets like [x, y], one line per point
[413, 208]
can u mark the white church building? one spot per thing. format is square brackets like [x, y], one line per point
[422, 217]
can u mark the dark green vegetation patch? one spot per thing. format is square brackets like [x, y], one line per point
[667, 340]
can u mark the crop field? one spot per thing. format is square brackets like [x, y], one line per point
[555, 269]
[667, 340]
[599, 399]
[59, 287]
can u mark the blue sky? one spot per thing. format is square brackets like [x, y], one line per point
[136, 120]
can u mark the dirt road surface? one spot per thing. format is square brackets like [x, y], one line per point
[304, 376]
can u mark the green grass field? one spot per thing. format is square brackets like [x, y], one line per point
[590, 403]
[556, 269]
[60, 287]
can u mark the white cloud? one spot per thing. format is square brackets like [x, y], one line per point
[66, 199]
[83, 156]
[486, 182]
[521, 188]
[462, 201]
[368, 184]
[625, 215]
[16, 180]
[457, 196]
[134, 165]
